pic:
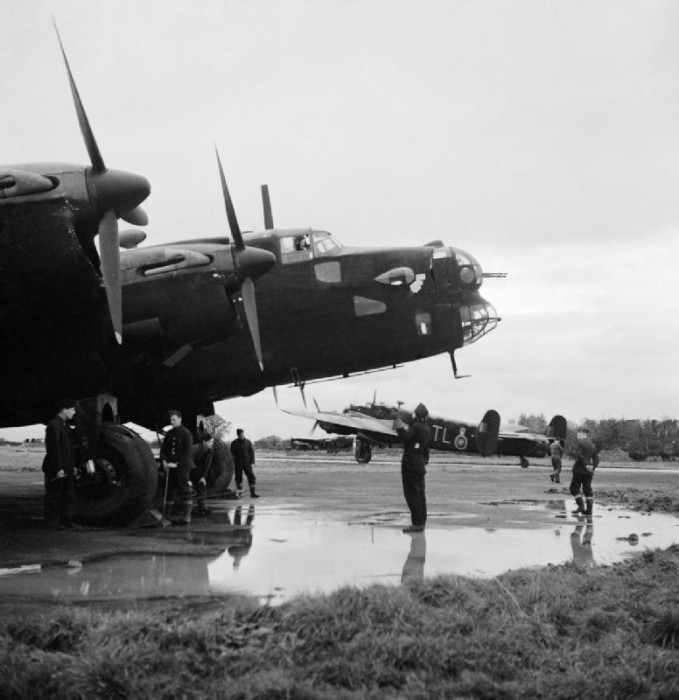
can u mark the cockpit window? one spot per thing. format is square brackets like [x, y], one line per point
[296, 248]
[325, 244]
[305, 246]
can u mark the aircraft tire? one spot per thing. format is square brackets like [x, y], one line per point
[362, 452]
[218, 483]
[131, 480]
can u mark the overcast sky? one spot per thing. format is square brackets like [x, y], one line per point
[542, 137]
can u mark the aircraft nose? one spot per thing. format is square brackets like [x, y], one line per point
[478, 317]
[118, 191]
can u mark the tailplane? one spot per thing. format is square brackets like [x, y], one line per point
[557, 428]
[487, 433]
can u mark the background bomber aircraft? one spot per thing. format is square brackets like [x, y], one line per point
[371, 424]
[131, 333]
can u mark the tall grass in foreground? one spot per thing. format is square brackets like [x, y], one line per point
[555, 633]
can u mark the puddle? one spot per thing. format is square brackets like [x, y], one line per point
[275, 554]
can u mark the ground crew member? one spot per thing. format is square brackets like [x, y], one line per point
[244, 460]
[59, 469]
[177, 453]
[415, 438]
[586, 461]
[210, 460]
[556, 452]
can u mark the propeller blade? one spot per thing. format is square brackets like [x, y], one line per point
[301, 390]
[313, 430]
[109, 253]
[136, 217]
[275, 394]
[316, 404]
[230, 211]
[250, 304]
[374, 397]
[266, 203]
[93, 151]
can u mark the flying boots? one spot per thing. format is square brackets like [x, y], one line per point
[590, 506]
[252, 492]
[581, 506]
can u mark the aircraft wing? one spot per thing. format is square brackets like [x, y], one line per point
[347, 423]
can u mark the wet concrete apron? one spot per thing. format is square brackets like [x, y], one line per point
[275, 551]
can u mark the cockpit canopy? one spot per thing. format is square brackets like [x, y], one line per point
[307, 245]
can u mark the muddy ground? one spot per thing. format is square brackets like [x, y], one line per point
[461, 490]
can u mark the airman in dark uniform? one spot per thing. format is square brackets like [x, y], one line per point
[556, 453]
[59, 468]
[586, 461]
[177, 453]
[244, 459]
[211, 462]
[415, 438]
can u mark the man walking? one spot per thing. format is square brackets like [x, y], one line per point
[586, 461]
[177, 453]
[244, 460]
[556, 452]
[415, 438]
[59, 469]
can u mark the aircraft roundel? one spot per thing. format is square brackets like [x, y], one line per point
[460, 440]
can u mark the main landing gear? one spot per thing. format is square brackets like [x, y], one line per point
[362, 451]
[118, 475]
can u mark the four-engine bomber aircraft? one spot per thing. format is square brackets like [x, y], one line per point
[135, 332]
[371, 424]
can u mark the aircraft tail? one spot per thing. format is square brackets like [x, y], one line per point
[487, 433]
[557, 428]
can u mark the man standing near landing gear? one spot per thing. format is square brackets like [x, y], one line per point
[244, 459]
[413, 465]
[586, 461]
[59, 469]
[177, 453]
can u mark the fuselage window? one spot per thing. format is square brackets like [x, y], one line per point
[367, 307]
[328, 271]
[423, 323]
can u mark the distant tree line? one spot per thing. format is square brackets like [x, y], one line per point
[641, 439]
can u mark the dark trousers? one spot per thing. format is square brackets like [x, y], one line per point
[183, 493]
[249, 473]
[584, 481]
[201, 491]
[60, 500]
[556, 464]
[413, 490]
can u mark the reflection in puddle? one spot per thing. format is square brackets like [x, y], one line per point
[280, 553]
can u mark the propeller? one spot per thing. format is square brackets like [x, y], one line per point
[247, 264]
[266, 203]
[114, 194]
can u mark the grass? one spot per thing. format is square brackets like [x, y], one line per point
[560, 632]
[648, 500]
